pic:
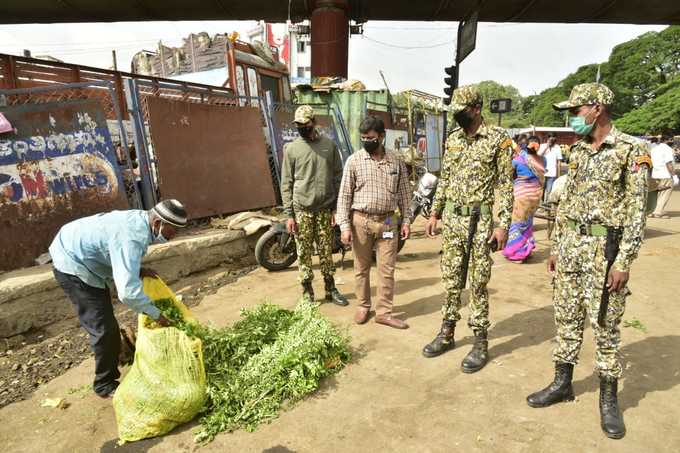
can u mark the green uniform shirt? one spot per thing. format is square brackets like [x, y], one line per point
[473, 167]
[607, 186]
[310, 175]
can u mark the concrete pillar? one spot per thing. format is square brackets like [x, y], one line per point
[330, 38]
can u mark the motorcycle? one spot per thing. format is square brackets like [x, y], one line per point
[423, 196]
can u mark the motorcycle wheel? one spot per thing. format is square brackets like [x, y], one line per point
[269, 255]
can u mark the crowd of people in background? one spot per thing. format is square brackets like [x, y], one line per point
[663, 177]
[536, 167]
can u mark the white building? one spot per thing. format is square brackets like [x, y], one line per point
[294, 47]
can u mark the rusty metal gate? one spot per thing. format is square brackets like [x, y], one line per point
[208, 149]
[210, 157]
[57, 164]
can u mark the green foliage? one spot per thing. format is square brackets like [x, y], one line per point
[270, 357]
[637, 72]
[637, 68]
[492, 90]
[661, 115]
[539, 110]
[635, 324]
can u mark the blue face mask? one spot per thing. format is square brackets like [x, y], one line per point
[159, 238]
[579, 125]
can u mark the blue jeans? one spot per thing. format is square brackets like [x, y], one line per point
[549, 180]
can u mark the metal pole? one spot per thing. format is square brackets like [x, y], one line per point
[268, 110]
[499, 118]
[139, 131]
[115, 60]
[123, 140]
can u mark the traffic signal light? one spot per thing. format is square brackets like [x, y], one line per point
[451, 82]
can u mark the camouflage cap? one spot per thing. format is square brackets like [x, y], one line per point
[464, 96]
[586, 94]
[304, 114]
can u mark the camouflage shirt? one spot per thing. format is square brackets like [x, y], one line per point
[607, 186]
[473, 167]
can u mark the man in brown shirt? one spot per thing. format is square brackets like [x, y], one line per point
[374, 184]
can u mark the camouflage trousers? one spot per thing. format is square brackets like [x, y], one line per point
[314, 228]
[454, 242]
[579, 280]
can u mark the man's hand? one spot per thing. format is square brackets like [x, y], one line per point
[405, 231]
[147, 272]
[552, 263]
[346, 237]
[501, 237]
[291, 226]
[333, 219]
[616, 280]
[431, 226]
[163, 321]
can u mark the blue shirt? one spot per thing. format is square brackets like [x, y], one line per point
[106, 247]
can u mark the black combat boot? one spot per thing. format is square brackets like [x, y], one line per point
[611, 418]
[308, 291]
[443, 341]
[559, 389]
[332, 293]
[478, 356]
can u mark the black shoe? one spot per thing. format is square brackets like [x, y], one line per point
[108, 391]
[478, 356]
[443, 341]
[308, 291]
[559, 390]
[332, 293]
[611, 418]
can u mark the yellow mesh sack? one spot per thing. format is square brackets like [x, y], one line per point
[166, 385]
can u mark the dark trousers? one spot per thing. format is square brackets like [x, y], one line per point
[95, 312]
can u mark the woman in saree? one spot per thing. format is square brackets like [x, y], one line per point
[529, 171]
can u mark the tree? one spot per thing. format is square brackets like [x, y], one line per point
[661, 115]
[634, 71]
[493, 90]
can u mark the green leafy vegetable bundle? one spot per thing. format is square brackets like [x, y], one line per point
[271, 357]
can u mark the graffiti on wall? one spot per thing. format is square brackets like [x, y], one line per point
[56, 151]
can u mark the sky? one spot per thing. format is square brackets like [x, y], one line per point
[531, 57]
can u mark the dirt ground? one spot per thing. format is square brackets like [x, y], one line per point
[391, 398]
[40, 359]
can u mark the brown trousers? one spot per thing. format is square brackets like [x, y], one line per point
[664, 189]
[367, 234]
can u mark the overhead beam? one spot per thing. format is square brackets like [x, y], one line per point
[548, 11]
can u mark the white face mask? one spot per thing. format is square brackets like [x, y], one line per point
[159, 238]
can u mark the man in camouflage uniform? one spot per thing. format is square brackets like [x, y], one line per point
[605, 194]
[310, 180]
[478, 160]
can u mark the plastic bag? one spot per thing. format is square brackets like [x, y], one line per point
[166, 385]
